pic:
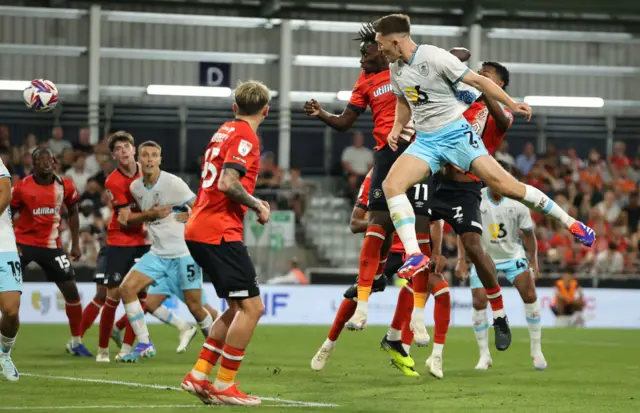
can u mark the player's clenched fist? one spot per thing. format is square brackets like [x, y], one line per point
[523, 109]
[263, 210]
[392, 140]
[312, 107]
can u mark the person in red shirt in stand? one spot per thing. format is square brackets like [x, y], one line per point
[38, 200]
[125, 245]
[214, 238]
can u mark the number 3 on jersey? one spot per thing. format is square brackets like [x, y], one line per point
[209, 171]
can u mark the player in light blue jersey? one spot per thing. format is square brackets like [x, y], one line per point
[10, 280]
[157, 194]
[425, 79]
[503, 219]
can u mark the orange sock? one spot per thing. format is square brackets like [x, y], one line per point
[231, 359]
[209, 355]
[441, 312]
[369, 260]
[420, 279]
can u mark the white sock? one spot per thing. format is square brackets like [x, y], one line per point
[135, 314]
[167, 316]
[536, 199]
[205, 325]
[6, 344]
[405, 222]
[76, 341]
[532, 312]
[199, 375]
[437, 350]
[393, 334]
[406, 348]
[417, 314]
[126, 349]
[480, 322]
[363, 306]
[328, 343]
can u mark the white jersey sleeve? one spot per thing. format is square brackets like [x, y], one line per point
[449, 66]
[181, 191]
[7, 236]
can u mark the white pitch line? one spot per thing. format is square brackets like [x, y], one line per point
[157, 406]
[161, 387]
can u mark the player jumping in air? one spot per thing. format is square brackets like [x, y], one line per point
[502, 220]
[38, 200]
[425, 78]
[158, 194]
[373, 90]
[214, 237]
[10, 280]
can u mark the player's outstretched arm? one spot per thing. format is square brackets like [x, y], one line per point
[229, 184]
[5, 193]
[127, 218]
[502, 118]
[530, 244]
[341, 123]
[359, 222]
[495, 92]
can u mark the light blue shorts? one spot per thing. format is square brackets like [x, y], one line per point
[456, 143]
[511, 269]
[170, 287]
[182, 271]
[10, 272]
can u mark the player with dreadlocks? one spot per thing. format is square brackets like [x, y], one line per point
[373, 90]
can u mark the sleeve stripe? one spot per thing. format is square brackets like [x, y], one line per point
[356, 109]
[461, 76]
[361, 206]
[233, 165]
[5, 176]
[118, 207]
[526, 229]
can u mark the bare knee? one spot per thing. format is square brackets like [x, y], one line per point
[253, 307]
[472, 246]
[529, 296]
[69, 290]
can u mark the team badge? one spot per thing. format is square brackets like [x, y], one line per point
[117, 277]
[244, 147]
[377, 193]
[423, 68]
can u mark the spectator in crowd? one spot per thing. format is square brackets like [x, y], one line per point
[78, 173]
[608, 262]
[623, 182]
[572, 161]
[298, 189]
[502, 154]
[619, 158]
[357, 160]
[295, 276]
[609, 208]
[107, 167]
[66, 159]
[83, 144]
[93, 193]
[631, 214]
[86, 214]
[57, 144]
[526, 160]
[26, 166]
[30, 144]
[593, 174]
[269, 178]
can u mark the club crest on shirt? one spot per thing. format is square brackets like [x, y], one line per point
[156, 197]
[244, 147]
[423, 68]
[377, 193]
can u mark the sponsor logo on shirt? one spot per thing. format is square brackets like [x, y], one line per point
[382, 90]
[46, 211]
[239, 159]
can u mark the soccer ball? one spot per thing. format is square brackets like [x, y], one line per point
[41, 95]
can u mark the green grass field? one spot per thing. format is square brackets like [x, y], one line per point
[589, 371]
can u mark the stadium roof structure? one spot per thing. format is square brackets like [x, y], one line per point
[453, 12]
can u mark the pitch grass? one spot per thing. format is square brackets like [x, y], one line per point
[589, 371]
